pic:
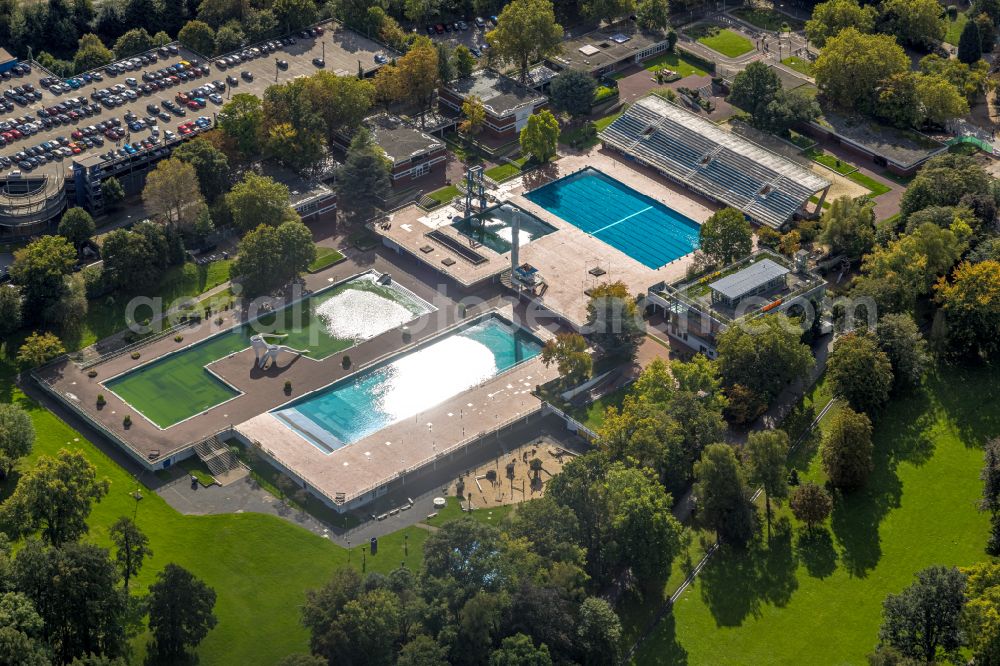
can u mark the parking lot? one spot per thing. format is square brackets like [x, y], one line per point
[342, 50]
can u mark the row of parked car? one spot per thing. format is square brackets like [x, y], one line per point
[459, 26]
[234, 59]
[17, 71]
[23, 95]
[49, 151]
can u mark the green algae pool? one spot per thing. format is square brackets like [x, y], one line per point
[180, 385]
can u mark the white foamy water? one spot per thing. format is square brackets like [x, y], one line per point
[416, 382]
[356, 314]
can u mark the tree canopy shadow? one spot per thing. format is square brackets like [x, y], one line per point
[961, 392]
[662, 648]
[737, 581]
[815, 550]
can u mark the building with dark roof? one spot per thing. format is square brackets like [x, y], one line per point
[309, 198]
[7, 61]
[610, 48]
[698, 309]
[413, 153]
[507, 103]
[769, 189]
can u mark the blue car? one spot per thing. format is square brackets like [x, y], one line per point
[129, 149]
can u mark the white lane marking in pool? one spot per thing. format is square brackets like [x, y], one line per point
[608, 226]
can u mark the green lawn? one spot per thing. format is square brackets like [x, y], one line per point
[798, 64]
[197, 469]
[502, 172]
[817, 598]
[325, 257]
[106, 314]
[259, 565]
[768, 19]
[955, 28]
[676, 63]
[873, 185]
[592, 415]
[445, 194]
[727, 42]
[832, 162]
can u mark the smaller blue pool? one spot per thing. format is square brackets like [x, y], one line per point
[414, 382]
[641, 227]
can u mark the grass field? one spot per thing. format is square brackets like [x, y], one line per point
[727, 42]
[502, 172]
[831, 162]
[798, 64]
[954, 28]
[325, 257]
[873, 185]
[106, 314]
[676, 63]
[592, 415]
[445, 194]
[768, 19]
[817, 598]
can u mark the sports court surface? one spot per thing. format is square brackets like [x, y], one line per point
[646, 230]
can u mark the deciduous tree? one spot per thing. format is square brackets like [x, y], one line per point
[419, 75]
[257, 200]
[766, 455]
[17, 436]
[811, 504]
[91, 54]
[971, 305]
[829, 18]
[363, 181]
[915, 22]
[526, 31]
[726, 236]
[924, 620]
[613, 320]
[723, 494]
[540, 136]
[76, 226]
[210, 164]
[38, 349]
[11, 315]
[852, 65]
[131, 548]
[860, 372]
[172, 193]
[847, 449]
[849, 226]
[569, 352]
[39, 270]
[198, 36]
[242, 119]
[180, 612]
[462, 61]
[572, 91]
[901, 340]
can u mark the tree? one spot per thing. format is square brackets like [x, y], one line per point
[180, 611]
[39, 269]
[295, 14]
[540, 136]
[210, 164]
[198, 36]
[754, 87]
[132, 42]
[723, 496]
[653, 14]
[987, 32]
[811, 504]
[131, 548]
[418, 74]
[970, 80]
[462, 61]
[764, 357]
[766, 457]
[131, 258]
[613, 320]
[970, 44]
[829, 18]
[914, 22]
[569, 352]
[10, 310]
[76, 226]
[572, 91]
[901, 341]
[726, 236]
[20, 632]
[422, 651]
[551, 528]
[112, 192]
[475, 116]
[241, 119]
[343, 101]
[257, 200]
[172, 193]
[939, 99]
[268, 257]
[526, 31]
[297, 148]
[851, 66]
[55, 496]
[599, 632]
[990, 477]
[786, 110]
[364, 178]
[608, 10]
[38, 349]
[860, 372]
[17, 436]
[847, 449]
[446, 70]
[519, 650]
[925, 618]
[229, 38]
[943, 181]
[91, 54]
[302, 659]
[74, 590]
[849, 226]
[971, 305]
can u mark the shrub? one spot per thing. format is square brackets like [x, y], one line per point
[92, 373]
[100, 400]
[288, 386]
[135, 356]
[127, 421]
[952, 12]
[178, 338]
[345, 362]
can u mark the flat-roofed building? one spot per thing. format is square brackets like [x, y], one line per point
[413, 153]
[610, 48]
[698, 309]
[7, 61]
[309, 198]
[507, 103]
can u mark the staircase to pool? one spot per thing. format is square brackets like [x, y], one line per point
[221, 462]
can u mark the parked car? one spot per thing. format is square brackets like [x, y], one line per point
[246, 75]
[319, 62]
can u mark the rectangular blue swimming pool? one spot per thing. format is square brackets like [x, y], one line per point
[410, 383]
[629, 221]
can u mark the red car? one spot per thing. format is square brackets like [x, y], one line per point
[77, 134]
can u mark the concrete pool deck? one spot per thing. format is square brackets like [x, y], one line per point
[564, 257]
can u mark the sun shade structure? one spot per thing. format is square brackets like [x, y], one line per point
[754, 279]
[722, 166]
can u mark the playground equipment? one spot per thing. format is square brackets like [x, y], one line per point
[265, 350]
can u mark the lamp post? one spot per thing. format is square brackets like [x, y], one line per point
[364, 559]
